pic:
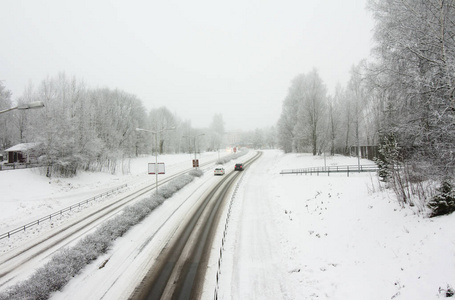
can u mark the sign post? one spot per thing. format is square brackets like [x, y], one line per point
[156, 168]
[195, 163]
[195, 160]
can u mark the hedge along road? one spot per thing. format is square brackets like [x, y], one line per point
[179, 271]
[18, 260]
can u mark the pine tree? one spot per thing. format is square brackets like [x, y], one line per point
[444, 202]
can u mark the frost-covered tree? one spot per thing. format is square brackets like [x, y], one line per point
[443, 203]
[258, 139]
[81, 128]
[314, 108]
[358, 102]
[55, 125]
[159, 119]
[22, 118]
[335, 124]
[270, 137]
[216, 132]
[6, 135]
[413, 79]
[416, 68]
[300, 125]
[288, 138]
[89, 129]
[183, 130]
[117, 115]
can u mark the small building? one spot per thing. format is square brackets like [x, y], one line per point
[22, 153]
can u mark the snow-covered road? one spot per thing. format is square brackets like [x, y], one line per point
[134, 254]
[293, 237]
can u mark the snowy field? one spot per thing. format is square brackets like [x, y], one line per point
[288, 236]
[330, 237]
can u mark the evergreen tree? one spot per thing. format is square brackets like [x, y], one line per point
[444, 202]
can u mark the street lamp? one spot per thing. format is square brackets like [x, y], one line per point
[156, 152]
[31, 105]
[195, 136]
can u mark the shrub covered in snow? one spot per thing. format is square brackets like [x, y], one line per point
[70, 261]
[196, 173]
[169, 189]
[226, 159]
[443, 203]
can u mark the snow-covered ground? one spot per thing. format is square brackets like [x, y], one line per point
[330, 237]
[288, 236]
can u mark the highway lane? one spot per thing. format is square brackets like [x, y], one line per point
[179, 270]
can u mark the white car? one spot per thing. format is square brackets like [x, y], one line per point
[219, 171]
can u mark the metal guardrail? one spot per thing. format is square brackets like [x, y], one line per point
[49, 217]
[333, 169]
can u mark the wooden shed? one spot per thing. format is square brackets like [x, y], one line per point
[22, 153]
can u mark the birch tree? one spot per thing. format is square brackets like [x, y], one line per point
[314, 107]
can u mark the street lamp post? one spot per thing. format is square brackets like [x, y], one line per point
[31, 105]
[156, 151]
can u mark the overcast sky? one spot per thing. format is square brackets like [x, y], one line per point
[197, 58]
